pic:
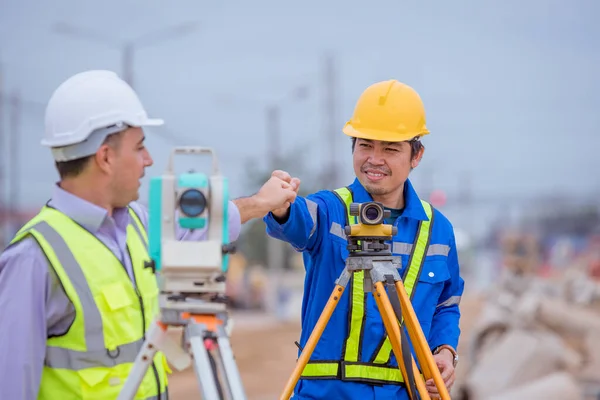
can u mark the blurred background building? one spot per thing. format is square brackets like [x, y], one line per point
[511, 91]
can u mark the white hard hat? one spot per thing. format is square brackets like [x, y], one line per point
[97, 102]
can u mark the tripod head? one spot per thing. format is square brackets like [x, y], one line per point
[368, 236]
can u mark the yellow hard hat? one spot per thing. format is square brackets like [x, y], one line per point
[389, 111]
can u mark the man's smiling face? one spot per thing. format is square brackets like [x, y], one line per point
[383, 167]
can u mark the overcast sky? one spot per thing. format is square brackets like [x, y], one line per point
[511, 88]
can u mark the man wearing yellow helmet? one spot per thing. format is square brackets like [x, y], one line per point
[353, 358]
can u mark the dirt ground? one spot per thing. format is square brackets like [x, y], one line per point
[266, 353]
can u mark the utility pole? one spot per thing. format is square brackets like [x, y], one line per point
[330, 119]
[465, 191]
[275, 247]
[3, 214]
[14, 182]
[127, 60]
[276, 250]
[273, 136]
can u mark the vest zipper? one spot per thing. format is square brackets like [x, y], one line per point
[154, 370]
[140, 300]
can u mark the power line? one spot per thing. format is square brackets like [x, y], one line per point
[128, 48]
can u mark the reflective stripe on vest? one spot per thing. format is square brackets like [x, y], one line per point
[94, 361]
[139, 227]
[96, 354]
[376, 371]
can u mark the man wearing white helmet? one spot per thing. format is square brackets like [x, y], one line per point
[75, 297]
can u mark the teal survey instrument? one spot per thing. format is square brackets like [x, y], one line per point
[191, 279]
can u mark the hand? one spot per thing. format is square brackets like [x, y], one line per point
[295, 185]
[277, 193]
[444, 361]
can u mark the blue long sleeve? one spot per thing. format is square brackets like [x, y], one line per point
[305, 225]
[445, 325]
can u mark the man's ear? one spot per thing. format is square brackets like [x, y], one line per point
[417, 158]
[105, 158]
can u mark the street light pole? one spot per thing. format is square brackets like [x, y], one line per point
[127, 48]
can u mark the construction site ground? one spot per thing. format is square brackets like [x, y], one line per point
[265, 353]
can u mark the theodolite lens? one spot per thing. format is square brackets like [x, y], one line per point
[192, 203]
[372, 214]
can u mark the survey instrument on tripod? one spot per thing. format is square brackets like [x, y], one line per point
[369, 252]
[191, 278]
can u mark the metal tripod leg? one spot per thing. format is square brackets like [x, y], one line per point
[208, 385]
[232, 375]
[222, 380]
[142, 362]
[230, 385]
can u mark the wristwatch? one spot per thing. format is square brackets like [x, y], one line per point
[454, 354]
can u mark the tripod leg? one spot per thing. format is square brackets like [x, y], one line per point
[206, 379]
[390, 285]
[142, 362]
[393, 330]
[234, 381]
[313, 340]
[218, 373]
[430, 369]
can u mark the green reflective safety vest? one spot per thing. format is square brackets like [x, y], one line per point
[94, 357]
[378, 370]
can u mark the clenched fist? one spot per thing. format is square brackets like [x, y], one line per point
[276, 193]
[275, 196]
[294, 183]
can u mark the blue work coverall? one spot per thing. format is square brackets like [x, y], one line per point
[313, 227]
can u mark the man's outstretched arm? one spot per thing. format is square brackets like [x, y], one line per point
[298, 222]
[275, 193]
